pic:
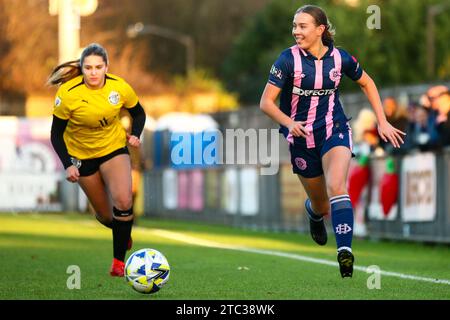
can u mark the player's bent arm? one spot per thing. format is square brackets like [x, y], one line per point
[385, 129]
[370, 90]
[268, 106]
[57, 139]
[138, 115]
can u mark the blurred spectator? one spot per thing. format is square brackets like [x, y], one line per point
[430, 100]
[371, 138]
[422, 133]
[440, 100]
[435, 97]
[437, 100]
[365, 134]
[396, 115]
[412, 112]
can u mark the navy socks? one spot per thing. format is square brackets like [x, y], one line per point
[342, 220]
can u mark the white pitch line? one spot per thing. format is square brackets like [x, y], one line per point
[212, 244]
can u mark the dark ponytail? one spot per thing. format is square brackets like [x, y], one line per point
[64, 72]
[71, 69]
[328, 35]
[320, 17]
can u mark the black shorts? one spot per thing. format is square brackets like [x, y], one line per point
[91, 166]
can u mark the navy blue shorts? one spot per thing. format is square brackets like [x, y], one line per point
[308, 162]
[91, 166]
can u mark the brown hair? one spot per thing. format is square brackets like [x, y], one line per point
[71, 69]
[320, 17]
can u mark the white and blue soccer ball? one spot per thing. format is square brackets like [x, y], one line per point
[147, 270]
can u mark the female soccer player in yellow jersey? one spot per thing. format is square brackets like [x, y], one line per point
[89, 139]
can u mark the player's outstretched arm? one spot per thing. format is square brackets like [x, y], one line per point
[385, 129]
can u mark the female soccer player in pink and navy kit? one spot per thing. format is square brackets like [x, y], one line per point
[307, 75]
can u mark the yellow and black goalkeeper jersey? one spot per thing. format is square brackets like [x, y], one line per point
[94, 128]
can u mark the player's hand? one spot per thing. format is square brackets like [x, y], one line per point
[133, 140]
[297, 129]
[72, 174]
[388, 132]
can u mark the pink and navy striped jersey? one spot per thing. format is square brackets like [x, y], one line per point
[309, 89]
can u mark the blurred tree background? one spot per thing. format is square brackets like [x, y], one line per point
[236, 41]
[29, 45]
[396, 54]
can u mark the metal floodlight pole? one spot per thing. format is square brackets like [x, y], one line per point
[432, 12]
[139, 28]
[69, 12]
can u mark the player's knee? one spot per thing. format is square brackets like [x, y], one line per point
[123, 202]
[336, 189]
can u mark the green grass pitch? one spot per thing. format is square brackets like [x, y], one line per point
[208, 262]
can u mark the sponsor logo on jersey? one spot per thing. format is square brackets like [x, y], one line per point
[316, 92]
[335, 75]
[114, 98]
[276, 72]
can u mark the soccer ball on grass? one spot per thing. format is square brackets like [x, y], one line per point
[147, 270]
